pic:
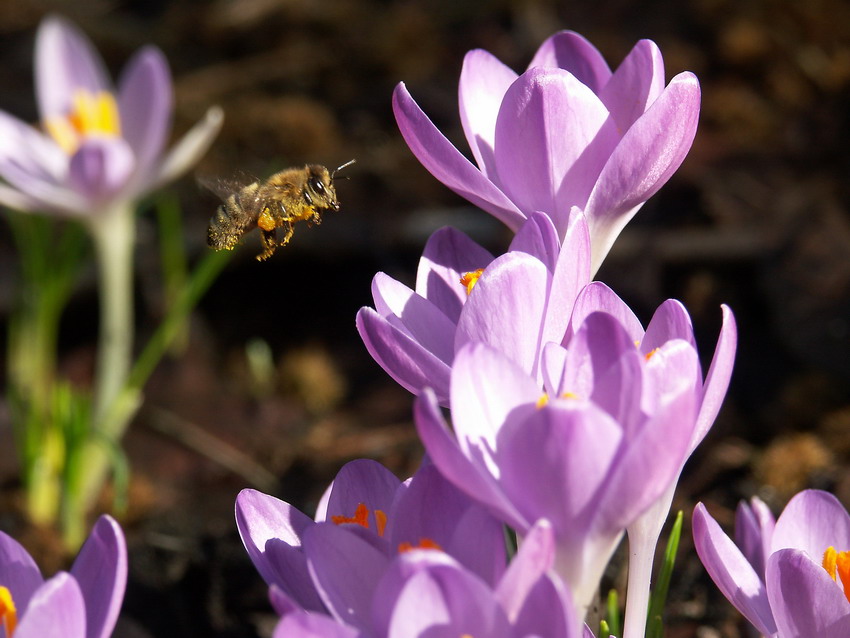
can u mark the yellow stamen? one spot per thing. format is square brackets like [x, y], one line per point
[543, 400]
[361, 518]
[424, 543]
[569, 395]
[469, 279]
[8, 613]
[837, 565]
[92, 114]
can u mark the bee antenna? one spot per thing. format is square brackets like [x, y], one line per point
[339, 168]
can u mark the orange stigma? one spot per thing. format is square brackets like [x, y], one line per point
[837, 565]
[469, 279]
[361, 517]
[424, 543]
[8, 613]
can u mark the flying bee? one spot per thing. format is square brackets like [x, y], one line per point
[292, 195]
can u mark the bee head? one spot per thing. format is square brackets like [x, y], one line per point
[320, 191]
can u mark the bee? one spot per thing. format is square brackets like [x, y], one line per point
[292, 195]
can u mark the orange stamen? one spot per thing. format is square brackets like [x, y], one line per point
[8, 613]
[91, 114]
[469, 279]
[837, 565]
[649, 354]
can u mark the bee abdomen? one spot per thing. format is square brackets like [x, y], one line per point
[224, 230]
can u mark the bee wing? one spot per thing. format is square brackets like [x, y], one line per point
[223, 187]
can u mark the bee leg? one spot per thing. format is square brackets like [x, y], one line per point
[288, 230]
[317, 218]
[267, 237]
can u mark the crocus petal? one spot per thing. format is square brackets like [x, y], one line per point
[805, 601]
[416, 316]
[362, 481]
[483, 402]
[731, 571]
[65, 62]
[271, 531]
[447, 256]
[18, 571]
[553, 136]
[404, 359]
[446, 163]
[719, 374]
[470, 475]
[535, 556]
[512, 291]
[597, 297]
[538, 238]
[635, 85]
[670, 321]
[100, 168]
[548, 611]
[649, 153]
[450, 600]
[483, 82]
[145, 104]
[433, 508]
[32, 152]
[101, 571]
[754, 525]
[345, 569]
[812, 521]
[56, 610]
[572, 52]
[305, 625]
[189, 149]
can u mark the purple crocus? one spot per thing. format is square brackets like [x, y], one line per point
[427, 593]
[567, 132]
[82, 603]
[369, 512]
[99, 146]
[790, 579]
[591, 453]
[670, 323]
[516, 302]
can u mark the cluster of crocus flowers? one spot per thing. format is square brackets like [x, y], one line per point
[98, 145]
[81, 603]
[789, 577]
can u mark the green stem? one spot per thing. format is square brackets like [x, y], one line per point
[113, 232]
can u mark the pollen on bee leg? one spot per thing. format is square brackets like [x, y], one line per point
[8, 613]
[266, 220]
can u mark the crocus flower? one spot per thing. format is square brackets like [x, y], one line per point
[82, 603]
[670, 322]
[516, 302]
[427, 593]
[98, 145]
[791, 579]
[590, 454]
[380, 515]
[567, 132]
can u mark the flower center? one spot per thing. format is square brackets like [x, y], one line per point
[424, 543]
[8, 613]
[469, 279]
[544, 398]
[837, 564]
[92, 114]
[361, 517]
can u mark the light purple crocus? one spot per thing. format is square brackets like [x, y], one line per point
[82, 603]
[790, 579]
[591, 453]
[520, 301]
[567, 132]
[427, 593]
[369, 512]
[670, 323]
[98, 146]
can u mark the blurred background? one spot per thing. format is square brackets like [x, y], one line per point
[273, 388]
